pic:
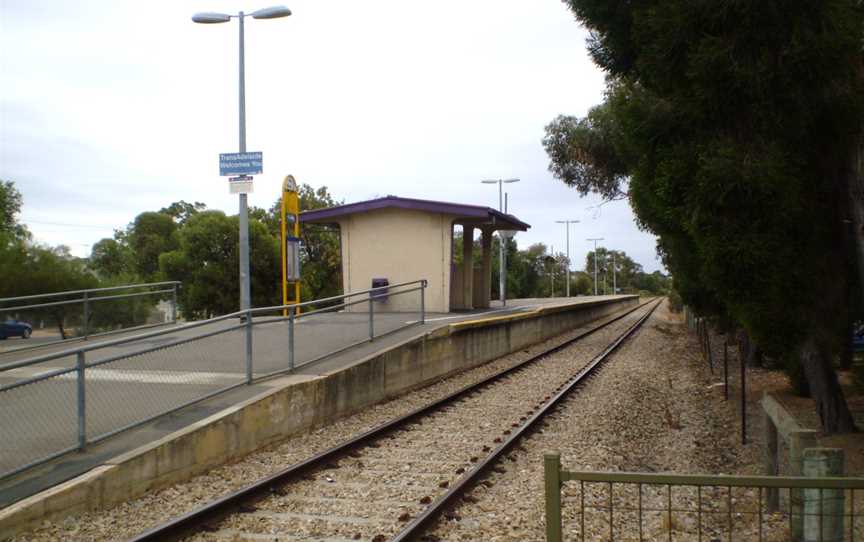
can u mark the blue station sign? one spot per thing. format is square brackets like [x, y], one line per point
[241, 163]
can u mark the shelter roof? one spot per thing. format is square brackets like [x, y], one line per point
[467, 214]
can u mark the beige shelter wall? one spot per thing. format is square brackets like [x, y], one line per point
[400, 245]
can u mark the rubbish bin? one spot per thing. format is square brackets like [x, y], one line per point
[380, 295]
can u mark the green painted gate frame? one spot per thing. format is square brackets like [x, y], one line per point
[555, 478]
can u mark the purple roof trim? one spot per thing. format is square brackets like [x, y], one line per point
[458, 209]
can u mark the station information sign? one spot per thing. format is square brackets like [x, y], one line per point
[241, 163]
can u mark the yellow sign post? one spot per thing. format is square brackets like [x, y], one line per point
[290, 242]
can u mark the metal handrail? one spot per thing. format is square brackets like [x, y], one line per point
[422, 282]
[192, 325]
[106, 289]
[332, 307]
[709, 480]
[82, 365]
[82, 300]
[113, 342]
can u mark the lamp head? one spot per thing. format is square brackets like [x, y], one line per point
[273, 12]
[211, 18]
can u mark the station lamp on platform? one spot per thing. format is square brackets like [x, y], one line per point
[567, 222]
[501, 267]
[595, 261]
[273, 12]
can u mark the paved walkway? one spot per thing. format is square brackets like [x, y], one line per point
[38, 419]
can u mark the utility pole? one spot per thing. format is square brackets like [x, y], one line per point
[595, 261]
[567, 222]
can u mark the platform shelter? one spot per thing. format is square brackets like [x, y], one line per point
[404, 239]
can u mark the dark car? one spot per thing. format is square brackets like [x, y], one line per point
[15, 328]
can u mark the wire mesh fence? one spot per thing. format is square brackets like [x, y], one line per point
[38, 420]
[161, 379]
[600, 506]
[66, 400]
[63, 316]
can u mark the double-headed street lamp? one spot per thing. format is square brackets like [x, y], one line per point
[568, 222]
[595, 261]
[274, 12]
[501, 236]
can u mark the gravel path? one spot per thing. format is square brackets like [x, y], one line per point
[651, 408]
[135, 516]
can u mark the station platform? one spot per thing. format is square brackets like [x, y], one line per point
[409, 357]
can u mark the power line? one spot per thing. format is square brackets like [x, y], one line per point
[92, 226]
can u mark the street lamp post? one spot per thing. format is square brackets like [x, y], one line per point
[568, 222]
[274, 12]
[595, 261]
[501, 237]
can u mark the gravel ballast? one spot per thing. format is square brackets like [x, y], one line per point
[128, 519]
[654, 407]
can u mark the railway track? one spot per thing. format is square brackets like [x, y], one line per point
[392, 482]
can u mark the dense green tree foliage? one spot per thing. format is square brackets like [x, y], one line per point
[111, 258]
[150, 235]
[535, 272]
[735, 129]
[10, 206]
[206, 262]
[181, 210]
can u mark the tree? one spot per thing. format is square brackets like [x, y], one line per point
[206, 261]
[10, 206]
[737, 130]
[110, 257]
[181, 210]
[41, 269]
[150, 235]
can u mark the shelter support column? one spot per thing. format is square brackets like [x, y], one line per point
[486, 283]
[467, 267]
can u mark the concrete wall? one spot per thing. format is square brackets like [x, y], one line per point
[298, 404]
[370, 240]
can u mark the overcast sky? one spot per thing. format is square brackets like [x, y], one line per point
[109, 109]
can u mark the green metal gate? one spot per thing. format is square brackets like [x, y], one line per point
[646, 507]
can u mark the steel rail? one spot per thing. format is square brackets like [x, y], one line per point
[178, 527]
[420, 523]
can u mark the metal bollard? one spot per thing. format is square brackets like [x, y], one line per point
[82, 403]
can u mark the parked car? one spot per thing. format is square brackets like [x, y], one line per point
[15, 328]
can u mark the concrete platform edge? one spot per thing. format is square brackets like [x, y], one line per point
[297, 403]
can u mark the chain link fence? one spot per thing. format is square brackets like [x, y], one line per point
[81, 314]
[55, 403]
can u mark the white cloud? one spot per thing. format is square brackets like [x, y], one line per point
[112, 108]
